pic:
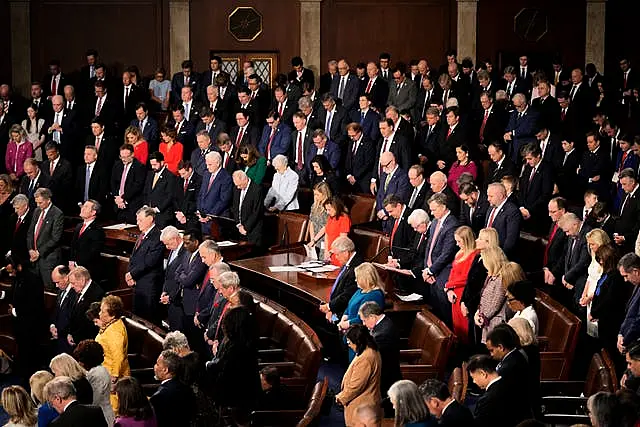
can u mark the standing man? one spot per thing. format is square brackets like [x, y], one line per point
[186, 196]
[61, 317]
[215, 193]
[171, 292]
[87, 292]
[88, 240]
[504, 216]
[247, 207]
[159, 188]
[629, 267]
[127, 185]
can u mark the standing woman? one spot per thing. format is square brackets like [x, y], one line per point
[171, 149]
[458, 279]
[32, 125]
[318, 218]
[140, 147]
[160, 88]
[64, 365]
[492, 308]
[18, 150]
[135, 409]
[596, 238]
[19, 406]
[252, 163]
[464, 164]
[338, 224]
[90, 355]
[46, 413]
[361, 383]
[323, 172]
[113, 338]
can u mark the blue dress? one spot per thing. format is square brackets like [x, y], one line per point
[354, 305]
[46, 414]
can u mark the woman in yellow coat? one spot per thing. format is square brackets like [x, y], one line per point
[114, 341]
[361, 382]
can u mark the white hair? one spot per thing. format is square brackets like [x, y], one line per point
[280, 160]
[417, 217]
[215, 156]
[169, 232]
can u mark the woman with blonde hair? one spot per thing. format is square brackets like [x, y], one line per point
[19, 406]
[487, 238]
[133, 136]
[596, 238]
[318, 217]
[64, 365]
[46, 413]
[18, 150]
[493, 297]
[458, 279]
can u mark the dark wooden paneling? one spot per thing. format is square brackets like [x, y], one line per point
[621, 35]
[407, 29]
[565, 35]
[280, 30]
[130, 32]
[5, 43]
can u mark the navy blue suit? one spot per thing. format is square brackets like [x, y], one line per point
[217, 199]
[198, 161]
[279, 145]
[189, 276]
[150, 133]
[204, 303]
[630, 328]
[172, 288]
[398, 185]
[331, 152]
[146, 268]
[350, 91]
[507, 223]
[370, 127]
[525, 129]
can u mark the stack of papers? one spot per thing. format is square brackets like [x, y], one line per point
[119, 226]
[226, 243]
[409, 298]
[284, 268]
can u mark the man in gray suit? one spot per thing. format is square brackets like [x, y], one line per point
[44, 237]
[402, 93]
[171, 291]
[345, 87]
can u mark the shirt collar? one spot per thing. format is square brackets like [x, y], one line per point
[492, 382]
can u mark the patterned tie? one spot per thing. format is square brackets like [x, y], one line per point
[433, 241]
[300, 160]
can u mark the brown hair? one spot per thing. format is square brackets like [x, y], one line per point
[113, 305]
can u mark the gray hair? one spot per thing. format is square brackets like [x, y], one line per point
[169, 232]
[280, 160]
[209, 245]
[171, 360]
[61, 387]
[408, 402]
[304, 102]
[417, 217]
[80, 272]
[523, 329]
[20, 200]
[438, 198]
[43, 193]
[203, 133]
[568, 218]
[498, 186]
[439, 176]
[239, 174]
[451, 102]
[602, 407]
[175, 340]
[343, 244]
[146, 211]
[520, 97]
[230, 279]
[629, 262]
[220, 267]
[215, 156]
[370, 308]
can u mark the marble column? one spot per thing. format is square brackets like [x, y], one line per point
[179, 48]
[467, 28]
[596, 19]
[310, 34]
[20, 46]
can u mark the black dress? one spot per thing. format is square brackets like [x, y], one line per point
[6, 209]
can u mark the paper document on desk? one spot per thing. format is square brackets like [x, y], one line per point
[226, 243]
[119, 226]
[311, 264]
[322, 269]
[311, 252]
[409, 298]
[284, 269]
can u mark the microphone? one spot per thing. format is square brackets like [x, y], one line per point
[385, 248]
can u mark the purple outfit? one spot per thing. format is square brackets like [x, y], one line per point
[457, 170]
[15, 157]
[132, 422]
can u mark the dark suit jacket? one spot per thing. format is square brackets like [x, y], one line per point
[507, 223]
[567, 178]
[398, 185]
[596, 164]
[424, 100]
[61, 316]
[401, 149]
[477, 220]
[60, 182]
[421, 198]
[493, 128]
[388, 340]
[204, 301]
[189, 277]
[331, 153]
[556, 252]
[110, 112]
[293, 148]
[370, 127]
[401, 244]
[160, 195]
[171, 286]
[360, 164]
[608, 307]
[187, 201]
[151, 131]
[497, 173]
[456, 415]
[288, 109]
[501, 406]
[173, 404]
[146, 264]
[85, 249]
[525, 129]
[80, 327]
[177, 83]
[576, 261]
[133, 188]
[46, 85]
[26, 187]
[98, 184]
[307, 76]
[549, 111]
[78, 415]
[280, 143]
[339, 119]
[108, 152]
[444, 247]
[186, 133]
[251, 135]
[250, 216]
[379, 92]
[449, 140]
[71, 127]
[217, 199]
[345, 287]
[453, 202]
[350, 93]
[628, 223]
[18, 245]
[536, 192]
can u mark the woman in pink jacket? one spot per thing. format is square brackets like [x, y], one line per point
[18, 150]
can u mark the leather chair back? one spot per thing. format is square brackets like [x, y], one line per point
[370, 242]
[598, 378]
[433, 337]
[361, 208]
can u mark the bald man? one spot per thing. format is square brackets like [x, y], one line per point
[62, 127]
[438, 184]
[345, 87]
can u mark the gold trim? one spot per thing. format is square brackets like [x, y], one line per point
[233, 13]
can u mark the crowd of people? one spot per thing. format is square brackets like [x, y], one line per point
[460, 161]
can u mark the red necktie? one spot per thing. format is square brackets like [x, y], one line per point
[546, 248]
[139, 241]
[268, 152]
[99, 107]
[433, 242]
[207, 277]
[533, 173]
[493, 214]
[625, 81]
[280, 109]
[37, 233]
[51, 168]
[84, 227]
[393, 232]
[448, 133]
[624, 157]
[368, 89]
[97, 143]
[484, 123]
[226, 159]
[300, 163]
[563, 114]
[54, 86]
[186, 185]
[239, 138]
[18, 223]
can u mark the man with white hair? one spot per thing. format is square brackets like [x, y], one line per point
[522, 127]
[438, 184]
[283, 194]
[87, 292]
[170, 237]
[576, 262]
[61, 127]
[246, 209]
[61, 395]
[215, 192]
[504, 216]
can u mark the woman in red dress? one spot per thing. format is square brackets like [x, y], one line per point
[458, 278]
[338, 224]
[171, 149]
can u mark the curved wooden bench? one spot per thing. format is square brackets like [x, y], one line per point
[458, 383]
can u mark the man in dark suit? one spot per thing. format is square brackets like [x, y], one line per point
[247, 206]
[327, 78]
[345, 87]
[440, 252]
[19, 223]
[576, 262]
[513, 367]
[186, 196]
[211, 124]
[300, 142]
[345, 284]
[106, 145]
[504, 216]
[553, 258]
[299, 73]
[205, 146]
[401, 125]
[594, 171]
[54, 82]
[536, 188]
[387, 338]
[402, 234]
[61, 395]
[145, 272]
[367, 118]
[581, 97]
[566, 167]
[208, 78]
[420, 189]
[185, 131]
[428, 96]
[129, 96]
[147, 125]
[222, 109]
[501, 165]
[474, 207]
[45, 237]
[61, 316]
[629, 268]
[411, 259]
[210, 289]
[284, 106]
[62, 128]
[501, 405]
[87, 291]
[173, 403]
[628, 223]
[438, 185]
[127, 185]
[443, 406]
[229, 151]
[551, 147]
[547, 107]
[190, 105]
[451, 137]
[186, 77]
[159, 186]
[522, 126]
[512, 84]
[58, 171]
[322, 145]
[107, 108]
[360, 156]
[393, 180]
[215, 193]
[333, 119]
[392, 142]
[276, 137]
[246, 132]
[32, 180]
[489, 121]
[88, 240]
[91, 180]
[171, 291]
[376, 88]
[260, 99]
[428, 139]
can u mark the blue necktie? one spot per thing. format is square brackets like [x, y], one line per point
[361, 117]
[327, 126]
[87, 178]
[344, 267]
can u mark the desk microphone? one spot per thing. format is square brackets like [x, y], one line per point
[385, 248]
